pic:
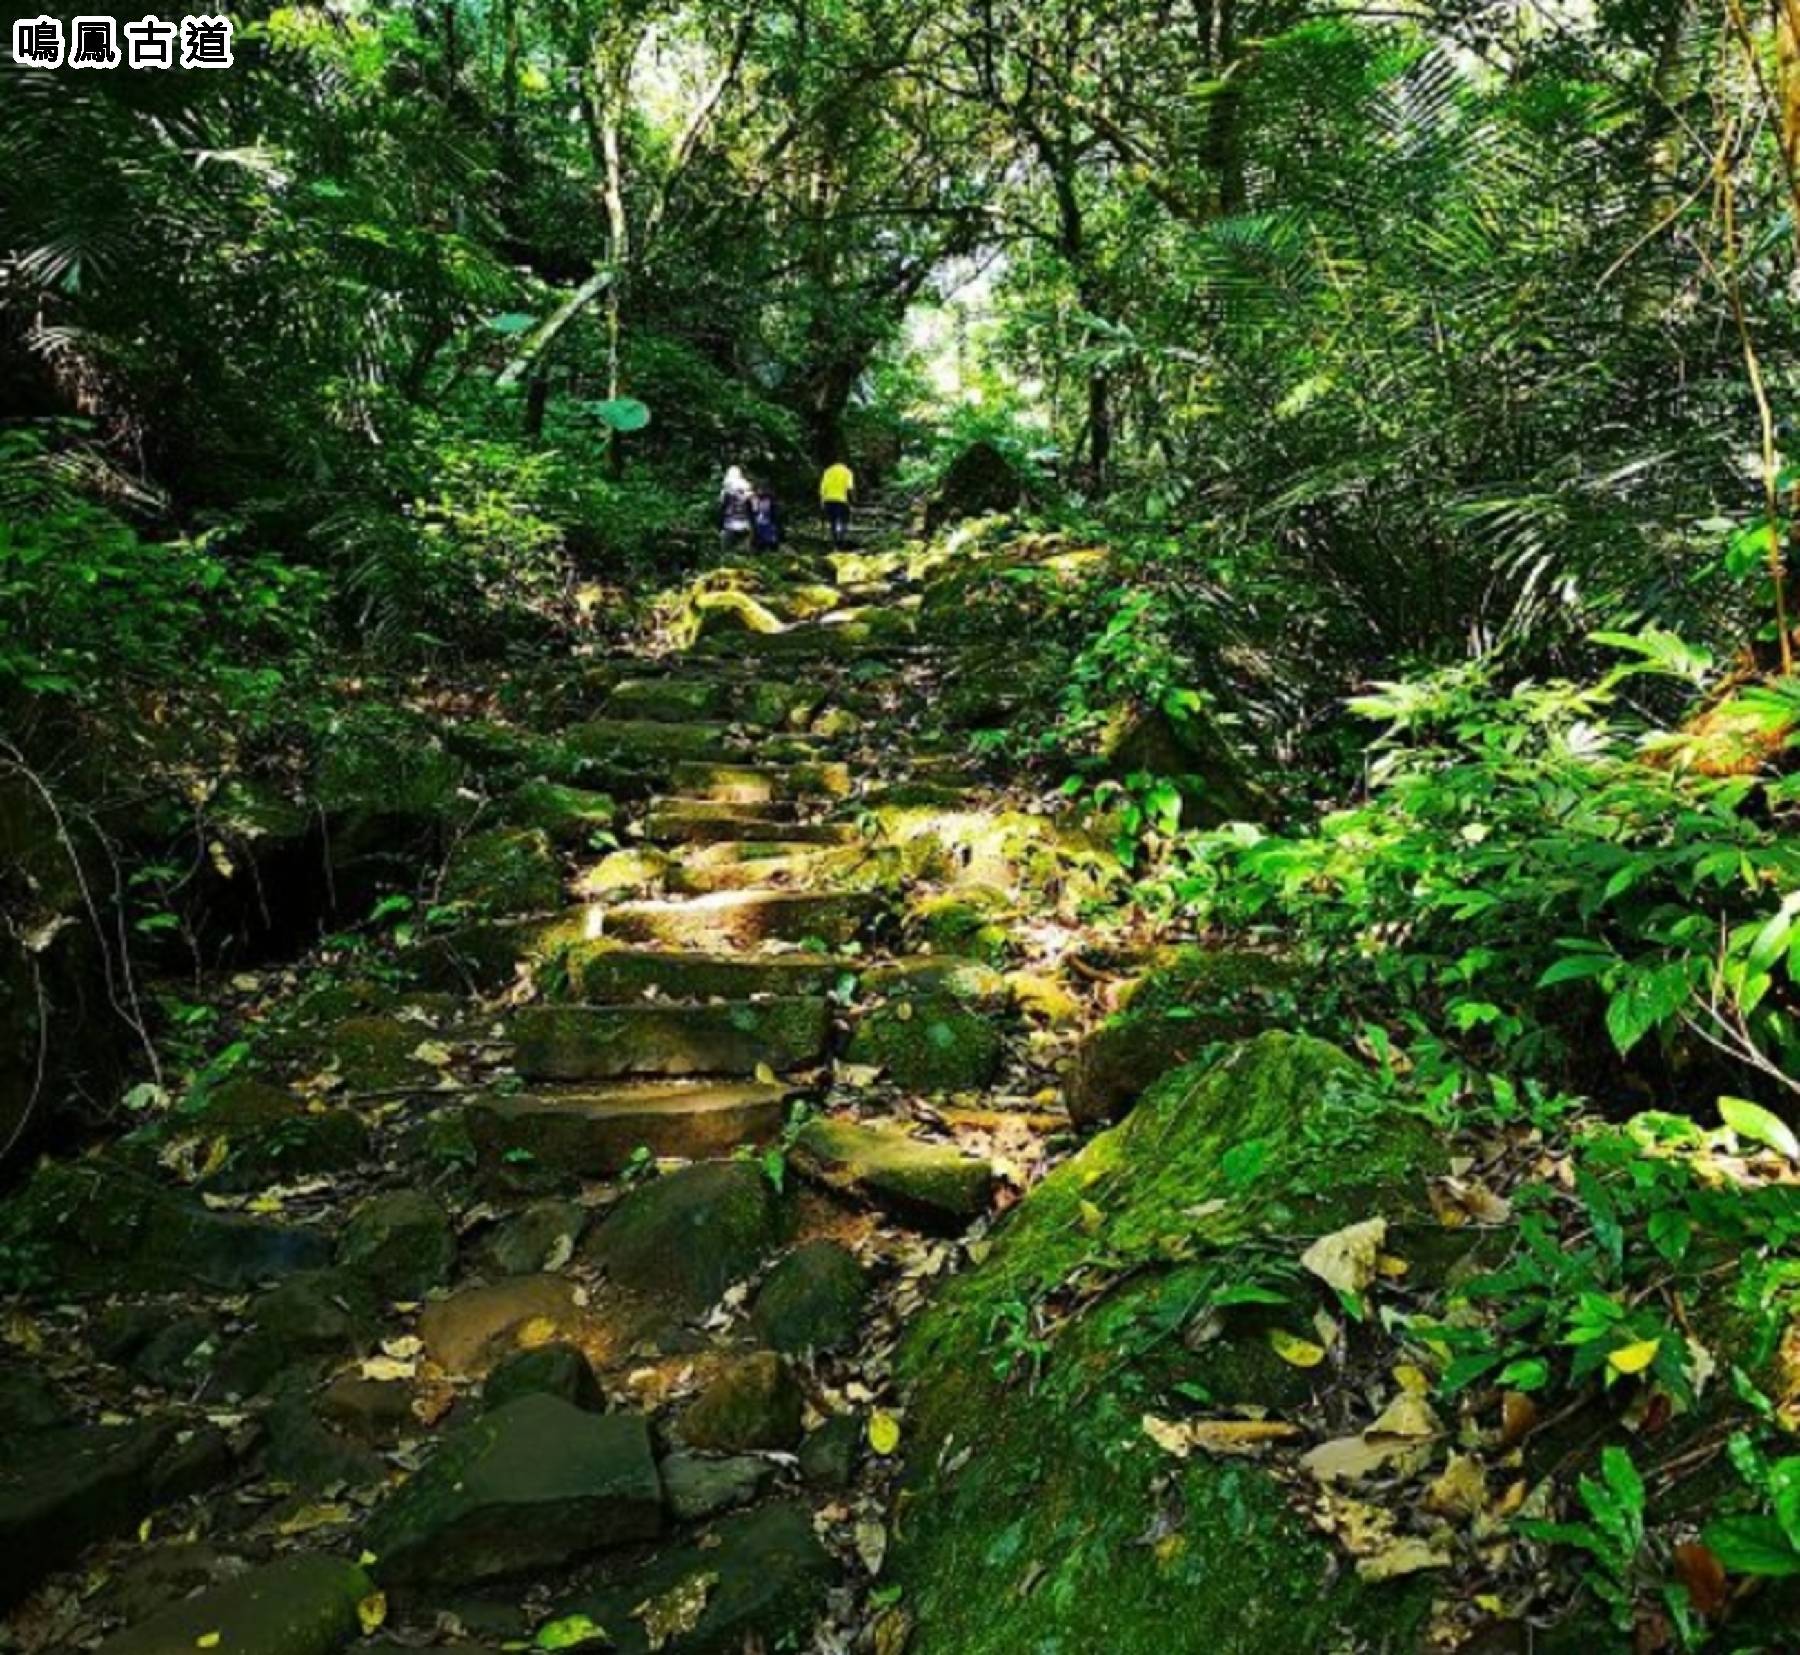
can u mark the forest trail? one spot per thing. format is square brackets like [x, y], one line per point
[536, 1385]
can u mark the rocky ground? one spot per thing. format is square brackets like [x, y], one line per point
[543, 1279]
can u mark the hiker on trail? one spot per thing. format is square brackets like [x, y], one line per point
[835, 489]
[734, 512]
[765, 519]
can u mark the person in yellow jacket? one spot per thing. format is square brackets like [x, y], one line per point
[836, 488]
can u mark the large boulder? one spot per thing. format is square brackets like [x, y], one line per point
[1037, 1495]
[301, 1605]
[532, 1485]
[686, 1237]
[929, 1045]
[1192, 751]
[980, 480]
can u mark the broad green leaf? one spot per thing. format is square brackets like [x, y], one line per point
[1759, 1125]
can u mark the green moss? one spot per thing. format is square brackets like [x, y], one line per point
[383, 762]
[505, 871]
[1045, 1514]
[569, 815]
[971, 923]
[929, 1045]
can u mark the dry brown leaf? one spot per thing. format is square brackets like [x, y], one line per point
[1408, 1415]
[1348, 1259]
[1346, 1459]
[1406, 1556]
[677, 1612]
[1704, 1577]
[1460, 1201]
[1226, 1437]
[1459, 1490]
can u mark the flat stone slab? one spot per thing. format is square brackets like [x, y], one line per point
[300, 1605]
[647, 741]
[596, 1133]
[769, 865]
[706, 821]
[743, 919]
[601, 972]
[472, 1329]
[753, 784]
[532, 1485]
[770, 1575]
[931, 1183]
[606, 1042]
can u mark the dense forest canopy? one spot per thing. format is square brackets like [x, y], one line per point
[1182, 1019]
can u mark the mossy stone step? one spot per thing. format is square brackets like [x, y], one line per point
[602, 972]
[933, 1184]
[686, 697]
[745, 919]
[754, 784]
[532, 1485]
[703, 821]
[594, 1133]
[606, 1042]
[771, 864]
[300, 1605]
[876, 633]
[643, 742]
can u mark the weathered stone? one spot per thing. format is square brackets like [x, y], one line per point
[401, 1242]
[745, 919]
[375, 1054]
[929, 1045]
[1042, 1467]
[634, 869]
[812, 1300]
[746, 784]
[754, 1403]
[932, 1183]
[318, 1313]
[689, 1235]
[377, 1411]
[644, 742]
[272, 1137]
[179, 1355]
[1044, 997]
[469, 1331]
[828, 1456]
[667, 699]
[698, 1486]
[540, 1237]
[604, 1042]
[505, 871]
[1194, 753]
[974, 982]
[94, 1226]
[301, 1605]
[301, 1449]
[62, 1490]
[708, 821]
[531, 1485]
[28, 1402]
[975, 922]
[569, 816]
[547, 1370]
[980, 480]
[599, 972]
[769, 1571]
[597, 1133]
[773, 865]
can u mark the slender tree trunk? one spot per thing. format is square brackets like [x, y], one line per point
[1225, 118]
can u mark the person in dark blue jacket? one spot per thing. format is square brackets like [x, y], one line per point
[765, 520]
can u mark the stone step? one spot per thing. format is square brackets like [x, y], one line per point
[874, 634]
[706, 821]
[684, 698]
[650, 744]
[928, 1183]
[764, 864]
[751, 784]
[594, 1132]
[606, 973]
[305, 1604]
[729, 1038]
[745, 919]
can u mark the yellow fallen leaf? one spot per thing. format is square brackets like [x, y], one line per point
[1634, 1358]
[1404, 1557]
[903, 1013]
[1091, 1217]
[540, 1330]
[884, 1432]
[366, 1559]
[1226, 1437]
[308, 1518]
[1295, 1351]
[1348, 1259]
[1408, 1415]
[1413, 1380]
[144, 1530]
[372, 1611]
[207, 1640]
[677, 1612]
[765, 1074]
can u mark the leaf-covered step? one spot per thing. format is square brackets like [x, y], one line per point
[606, 1042]
[601, 972]
[743, 784]
[746, 919]
[772, 864]
[596, 1132]
[675, 821]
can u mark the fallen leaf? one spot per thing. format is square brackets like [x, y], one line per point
[1518, 1415]
[1347, 1459]
[1225, 1437]
[871, 1544]
[308, 1518]
[1092, 1218]
[1460, 1201]
[1408, 1415]
[1407, 1556]
[371, 1612]
[1703, 1575]
[1348, 1259]
[765, 1074]
[677, 1612]
[207, 1640]
[1459, 1490]
[884, 1432]
[570, 1632]
[1629, 1359]
[903, 1013]
[540, 1330]
[1295, 1351]
[433, 1052]
[892, 1632]
[387, 1367]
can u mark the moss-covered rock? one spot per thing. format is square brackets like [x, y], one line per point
[300, 1605]
[932, 1184]
[401, 1242]
[1193, 752]
[568, 815]
[754, 784]
[1280, 1137]
[1192, 999]
[754, 1403]
[728, 1038]
[973, 922]
[731, 613]
[505, 871]
[689, 1235]
[813, 1300]
[603, 971]
[929, 1045]
[557, 1369]
[667, 699]
[271, 1136]
[939, 977]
